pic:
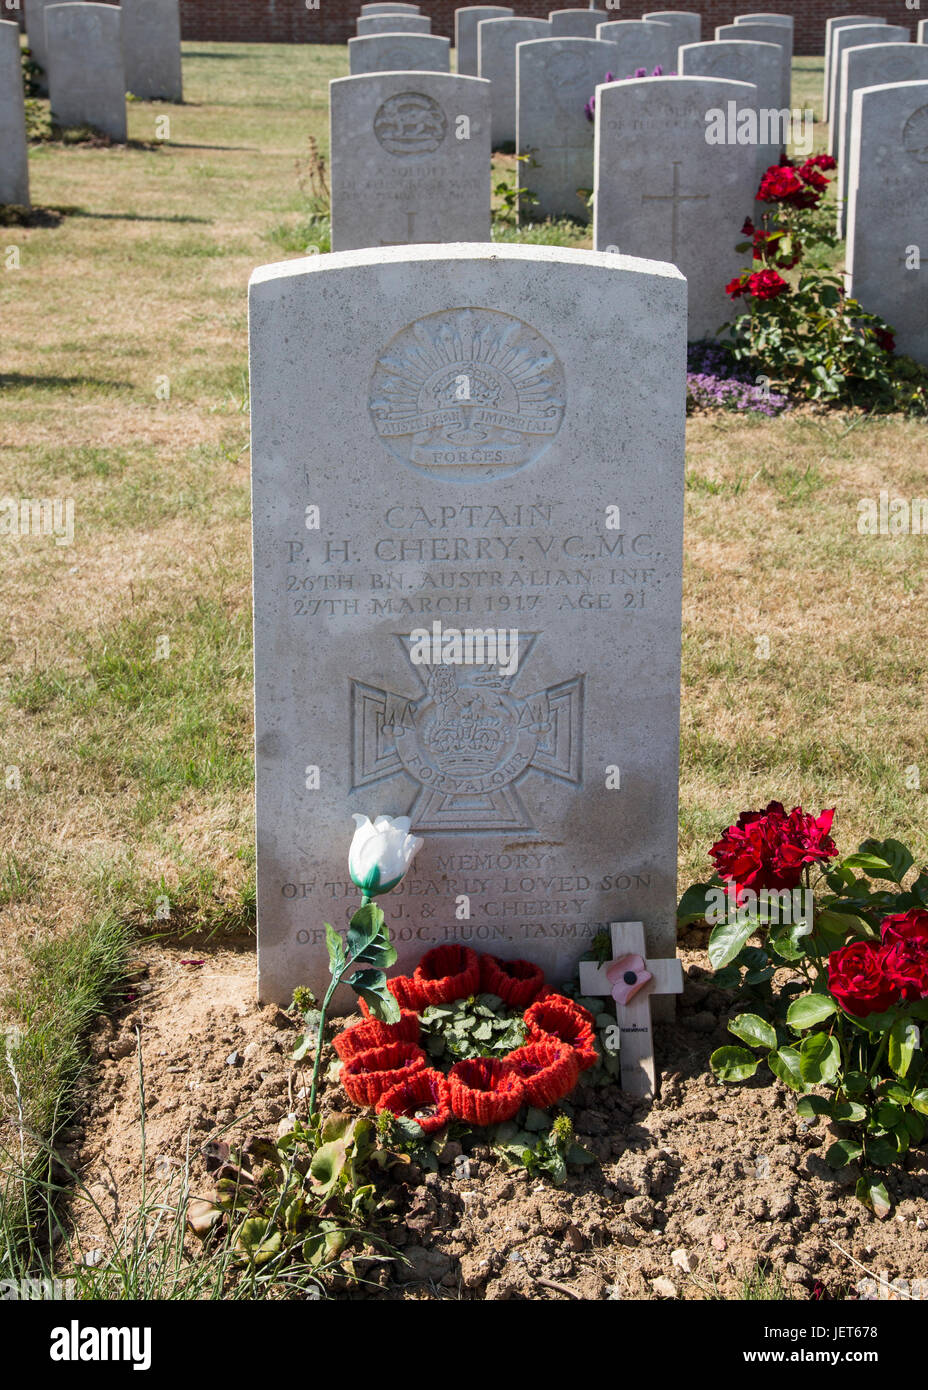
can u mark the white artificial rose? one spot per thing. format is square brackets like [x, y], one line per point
[381, 853]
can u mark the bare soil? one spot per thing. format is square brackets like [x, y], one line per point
[689, 1194]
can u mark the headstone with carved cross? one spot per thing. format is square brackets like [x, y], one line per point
[670, 186]
[632, 979]
[410, 159]
[467, 598]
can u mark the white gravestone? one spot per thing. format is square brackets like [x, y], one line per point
[877, 65]
[556, 78]
[394, 24]
[14, 157]
[383, 8]
[855, 36]
[888, 210]
[686, 24]
[662, 189]
[35, 36]
[923, 31]
[766, 33]
[410, 159]
[633, 981]
[86, 72]
[398, 53]
[442, 407]
[757, 63]
[576, 24]
[831, 28]
[766, 18]
[496, 60]
[465, 33]
[151, 47]
[640, 44]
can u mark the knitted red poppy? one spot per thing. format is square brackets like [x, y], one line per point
[485, 1090]
[548, 1071]
[406, 993]
[425, 1097]
[369, 1074]
[446, 973]
[517, 982]
[559, 1017]
[373, 1033]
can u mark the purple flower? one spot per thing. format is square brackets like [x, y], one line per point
[590, 109]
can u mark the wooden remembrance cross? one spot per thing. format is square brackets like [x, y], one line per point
[630, 979]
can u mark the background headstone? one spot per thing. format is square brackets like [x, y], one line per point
[831, 28]
[664, 192]
[640, 44]
[766, 18]
[888, 209]
[923, 31]
[496, 50]
[357, 365]
[576, 24]
[151, 48]
[398, 53]
[14, 157]
[766, 33]
[394, 24]
[384, 8]
[761, 64]
[35, 35]
[876, 65]
[466, 20]
[686, 24]
[410, 159]
[86, 72]
[855, 36]
[556, 78]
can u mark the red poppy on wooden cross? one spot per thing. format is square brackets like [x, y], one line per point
[630, 979]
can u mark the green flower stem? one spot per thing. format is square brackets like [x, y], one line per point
[333, 986]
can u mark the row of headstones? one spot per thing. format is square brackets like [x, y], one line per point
[90, 55]
[409, 162]
[864, 51]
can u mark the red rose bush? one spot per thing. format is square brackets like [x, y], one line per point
[833, 954]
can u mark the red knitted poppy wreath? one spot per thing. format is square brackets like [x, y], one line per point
[383, 1065]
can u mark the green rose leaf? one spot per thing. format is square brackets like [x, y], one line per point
[871, 1191]
[849, 1112]
[855, 1082]
[733, 1063]
[695, 903]
[903, 1043]
[842, 1153]
[784, 1063]
[808, 1010]
[819, 1059]
[368, 940]
[881, 1152]
[753, 1030]
[727, 939]
[371, 985]
[810, 1107]
[336, 950]
[920, 1101]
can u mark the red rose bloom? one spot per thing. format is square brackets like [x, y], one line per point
[735, 288]
[766, 284]
[909, 928]
[782, 184]
[809, 173]
[858, 979]
[885, 339]
[907, 969]
[821, 161]
[768, 849]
